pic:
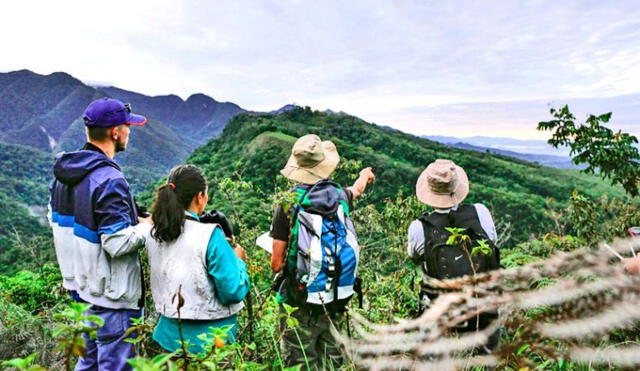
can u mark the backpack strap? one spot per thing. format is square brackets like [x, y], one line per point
[475, 225]
[427, 252]
[464, 211]
[290, 265]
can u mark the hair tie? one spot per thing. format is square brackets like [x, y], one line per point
[172, 186]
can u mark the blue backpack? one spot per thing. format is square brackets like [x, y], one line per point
[322, 261]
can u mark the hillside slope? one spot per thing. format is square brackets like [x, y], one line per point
[36, 110]
[255, 148]
[24, 178]
[45, 112]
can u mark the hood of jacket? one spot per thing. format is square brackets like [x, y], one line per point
[71, 167]
[324, 197]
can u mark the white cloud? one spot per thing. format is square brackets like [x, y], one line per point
[377, 59]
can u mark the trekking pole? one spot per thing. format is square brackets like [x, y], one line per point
[633, 252]
[614, 252]
[633, 232]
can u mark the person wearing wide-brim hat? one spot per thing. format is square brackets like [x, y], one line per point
[444, 186]
[311, 160]
[310, 166]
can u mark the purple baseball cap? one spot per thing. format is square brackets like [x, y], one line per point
[108, 112]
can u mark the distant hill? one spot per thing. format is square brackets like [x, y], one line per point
[283, 109]
[45, 112]
[529, 146]
[536, 151]
[36, 110]
[559, 162]
[254, 148]
[196, 120]
[502, 118]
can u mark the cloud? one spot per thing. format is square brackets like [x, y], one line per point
[377, 59]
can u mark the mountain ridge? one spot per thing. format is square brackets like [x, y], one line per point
[37, 109]
[255, 147]
[45, 112]
[542, 154]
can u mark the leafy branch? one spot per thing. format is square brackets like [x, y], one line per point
[69, 334]
[612, 155]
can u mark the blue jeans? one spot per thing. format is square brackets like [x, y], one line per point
[108, 351]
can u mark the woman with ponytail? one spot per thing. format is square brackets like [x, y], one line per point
[197, 279]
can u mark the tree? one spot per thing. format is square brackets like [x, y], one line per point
[610, 154]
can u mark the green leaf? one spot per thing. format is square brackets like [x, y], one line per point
[451, 240]
[161, 359]
[605, 117]
[292, 322]
[95, 319]
[522, 349]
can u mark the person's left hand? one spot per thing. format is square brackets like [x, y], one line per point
[240, 253]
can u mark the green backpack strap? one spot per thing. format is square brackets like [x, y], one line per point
[343, 201]
[294, 227]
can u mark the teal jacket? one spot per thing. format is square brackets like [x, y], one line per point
[231, 287]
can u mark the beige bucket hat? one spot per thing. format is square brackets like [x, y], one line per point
[442, 185]
[311, 160]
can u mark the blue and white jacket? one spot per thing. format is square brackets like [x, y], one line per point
[95, 229]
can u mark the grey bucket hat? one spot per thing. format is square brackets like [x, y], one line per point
[311, 160]
[442, 185]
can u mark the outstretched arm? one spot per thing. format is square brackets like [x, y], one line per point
[360, 185]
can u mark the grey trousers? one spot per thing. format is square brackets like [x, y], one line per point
[311, 343]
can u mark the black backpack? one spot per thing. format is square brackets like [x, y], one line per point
[450, 261]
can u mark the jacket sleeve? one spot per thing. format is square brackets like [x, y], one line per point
[119, 235]
[486, 221]
[415, 245]
[229, 273]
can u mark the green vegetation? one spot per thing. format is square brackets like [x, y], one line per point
[255, 148]
[25, 173]
[536, 209]
[610, 154]
[24, 237]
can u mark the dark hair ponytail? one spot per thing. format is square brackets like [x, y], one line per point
[172, 199]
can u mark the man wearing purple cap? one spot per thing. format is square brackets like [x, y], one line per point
[97, 232]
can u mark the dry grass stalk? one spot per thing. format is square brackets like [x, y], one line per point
[588, 295]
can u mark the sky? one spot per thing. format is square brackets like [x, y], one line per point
[457, 68]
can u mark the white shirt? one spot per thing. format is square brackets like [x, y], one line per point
[415, 247]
